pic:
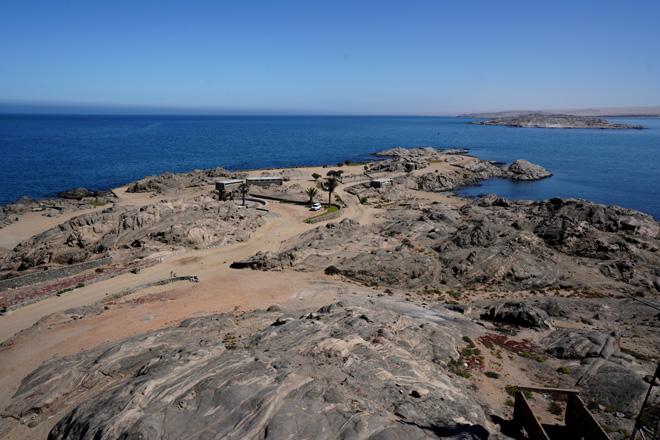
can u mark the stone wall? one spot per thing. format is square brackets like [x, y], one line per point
[191, 278]
[354, 178]
[52, 274]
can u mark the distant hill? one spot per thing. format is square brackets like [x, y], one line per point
[605, 112]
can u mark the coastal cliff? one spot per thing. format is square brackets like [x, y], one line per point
[557, 121]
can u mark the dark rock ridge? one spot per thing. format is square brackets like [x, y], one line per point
[557, 121]
[342, 371]
[519, 313]
[491, 242]
[82, 193]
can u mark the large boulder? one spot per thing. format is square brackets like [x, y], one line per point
[522, 169]
[519, 313]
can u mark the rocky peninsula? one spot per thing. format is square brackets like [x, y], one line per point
[557, 121]
[415, 314]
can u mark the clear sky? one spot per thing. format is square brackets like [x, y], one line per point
[327, 57]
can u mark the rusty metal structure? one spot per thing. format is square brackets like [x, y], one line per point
[579, 422]
[651, 429]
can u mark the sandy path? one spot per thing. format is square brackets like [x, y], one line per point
[285, 222]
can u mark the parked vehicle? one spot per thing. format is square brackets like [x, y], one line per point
[316, 206]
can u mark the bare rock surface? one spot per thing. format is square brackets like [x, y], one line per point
[519, 313]
[342, 371]
[557, 121]
[168, 182]
[135, 231]
[490, 242]
[522, 169]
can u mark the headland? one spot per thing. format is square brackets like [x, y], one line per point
[414, 313]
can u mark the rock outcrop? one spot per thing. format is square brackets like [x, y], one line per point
[135, 231]
[557, 121]
[605, 375]
[489, 242]
[522, 169]
[519, 313]
[169, 182]
[342, 371]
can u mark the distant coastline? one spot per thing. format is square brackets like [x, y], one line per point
[606, 112]
[558, 122]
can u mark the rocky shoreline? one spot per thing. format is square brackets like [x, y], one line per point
[558, 121]
[440, 306]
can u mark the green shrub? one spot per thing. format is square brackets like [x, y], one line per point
[634, 354]
[555, 408]
[563, 370]
[79, 285]
[492, 374]
[462, 373]
[511, 391]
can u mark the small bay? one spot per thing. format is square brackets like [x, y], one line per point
[42, 155]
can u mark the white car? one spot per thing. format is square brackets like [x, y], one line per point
[316, 206]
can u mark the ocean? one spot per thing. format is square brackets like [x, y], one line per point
[43, 155]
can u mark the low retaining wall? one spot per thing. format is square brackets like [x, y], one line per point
[48, 290]
[354, 178]
[52, 274]
[191, 278]
[264, 204]
[323, 218]
[326, 217]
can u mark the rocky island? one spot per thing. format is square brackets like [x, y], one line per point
[557, 121]
[166, 309]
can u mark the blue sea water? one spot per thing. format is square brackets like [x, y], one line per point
[42, 155]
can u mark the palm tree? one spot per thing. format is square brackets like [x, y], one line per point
[330, 186]
[311, 192]
[244, 188]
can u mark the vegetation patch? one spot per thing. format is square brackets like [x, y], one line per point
[330, 210]
[491, 340]
[635, 354]
[512, 389]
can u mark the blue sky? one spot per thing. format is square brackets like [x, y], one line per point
[338, 57]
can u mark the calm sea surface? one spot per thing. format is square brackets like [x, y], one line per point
[42, 155]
